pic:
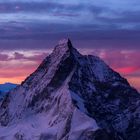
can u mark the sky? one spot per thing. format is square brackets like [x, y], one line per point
[29, 30]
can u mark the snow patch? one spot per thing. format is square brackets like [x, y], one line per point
[80, 123]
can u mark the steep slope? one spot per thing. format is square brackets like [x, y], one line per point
[71, 97]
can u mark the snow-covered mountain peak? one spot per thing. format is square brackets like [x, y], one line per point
[64, 45]
[71, 97]
[64, 41]
[62, 51]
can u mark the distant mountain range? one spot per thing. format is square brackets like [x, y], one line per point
[7, 87]
[4, 88]
[71, 97]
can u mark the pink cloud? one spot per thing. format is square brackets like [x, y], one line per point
[127, 70]
[38, 57]
[18, 65]
[4, 57]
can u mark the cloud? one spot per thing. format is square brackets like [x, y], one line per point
[16, 66]
[128, 70]
[4, 57]
[88, 40]
[128, 18]
[34, 7]
[37, 58]
[88, 20]
[18, 56]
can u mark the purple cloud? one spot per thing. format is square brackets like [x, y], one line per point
[4, 57]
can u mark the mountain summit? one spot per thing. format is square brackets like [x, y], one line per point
[71, 97]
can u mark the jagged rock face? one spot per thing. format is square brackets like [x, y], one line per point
[71, 97]
[105, 96]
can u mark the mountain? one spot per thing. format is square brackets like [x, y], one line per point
[5, 88]
[71, 97]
